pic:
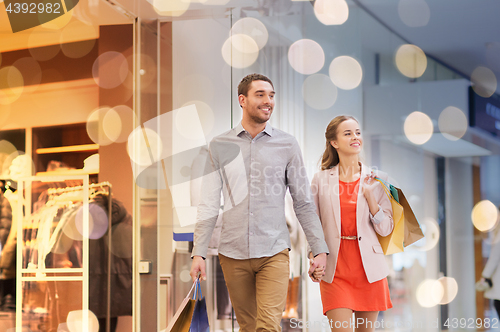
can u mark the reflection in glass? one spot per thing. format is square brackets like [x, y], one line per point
[118, 123]
[319, 92]
[306, 56]
[414, 13]
[41, 53]
[452, 123]
[484, 215]
[205, 113]
[251, 27]
[144, 146]
[418, 128]
[484, 82]
[331, 12]
[345, 72]
[240, 51]
[411, 61]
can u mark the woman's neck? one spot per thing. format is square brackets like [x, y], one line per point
[349, 169]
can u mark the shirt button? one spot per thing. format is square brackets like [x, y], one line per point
[360, 238]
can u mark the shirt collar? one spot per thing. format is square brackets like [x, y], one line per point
[239, 129]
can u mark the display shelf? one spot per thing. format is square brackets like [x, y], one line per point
[70, 148]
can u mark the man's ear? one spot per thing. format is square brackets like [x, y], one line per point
[241, 100]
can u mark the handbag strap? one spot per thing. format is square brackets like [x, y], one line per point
[191, 290]
[389, 189]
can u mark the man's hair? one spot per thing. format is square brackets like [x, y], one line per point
[244, 85]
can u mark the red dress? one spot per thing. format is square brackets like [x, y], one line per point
[350, 287]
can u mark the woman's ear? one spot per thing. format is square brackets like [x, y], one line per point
[334, 144]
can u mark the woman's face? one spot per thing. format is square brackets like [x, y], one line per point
[349, 140]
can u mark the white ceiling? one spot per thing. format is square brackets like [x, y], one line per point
[459, 33]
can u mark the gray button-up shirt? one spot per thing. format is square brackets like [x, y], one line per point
[253, 175]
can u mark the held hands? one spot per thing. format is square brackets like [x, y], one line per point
[317, 267]
[198, 266]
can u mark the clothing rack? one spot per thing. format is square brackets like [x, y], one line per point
[50, 193]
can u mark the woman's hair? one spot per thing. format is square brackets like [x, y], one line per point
[330, 156]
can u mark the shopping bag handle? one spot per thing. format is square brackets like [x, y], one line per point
[197, 294]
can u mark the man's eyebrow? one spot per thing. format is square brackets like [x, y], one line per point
[260, 91]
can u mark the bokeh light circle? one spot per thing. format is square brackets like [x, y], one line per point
[331, 12]
[30, 70]
[108, 69]
[432, 232]
[185, 276]
[6, 150]
[141, 151]
[450, 290]
[346, 72]
[95, 126]
[11, 85]
[319, 92]
[418, 128]
[98, 221]
[306, 56]
[70, 229]
[414, 13]
[58, 23]
[484, 215]
[171, 7]
[428, 291]
[63, 245]
[484, 82]
[240, 51]
[251, 27]
[118, 123]
[411, 61]
[206, 115]
[75, 321]
[452, 123]
[78, 49]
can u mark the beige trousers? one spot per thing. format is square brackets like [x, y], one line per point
[257, 288]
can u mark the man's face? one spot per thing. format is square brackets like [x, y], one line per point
[259, 103]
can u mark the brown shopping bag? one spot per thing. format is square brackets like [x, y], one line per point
[181, 322]
[393, 243]
[413, 232]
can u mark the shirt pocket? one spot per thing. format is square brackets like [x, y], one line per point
[377, 249]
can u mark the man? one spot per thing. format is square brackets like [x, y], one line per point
[253, 164]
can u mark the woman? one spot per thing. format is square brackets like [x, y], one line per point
[491, 272]
[355, 276]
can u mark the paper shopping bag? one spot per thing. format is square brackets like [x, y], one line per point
[199, 322]
[393, 243]
[413, 232]
[181, 322]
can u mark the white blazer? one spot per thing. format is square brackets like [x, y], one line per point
[325, 187]
[492, 268]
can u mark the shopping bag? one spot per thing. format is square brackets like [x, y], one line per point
[181, 322]
[199, 322]
[393, 243]
[413, 232]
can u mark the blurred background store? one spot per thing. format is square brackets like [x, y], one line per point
[121, 97]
